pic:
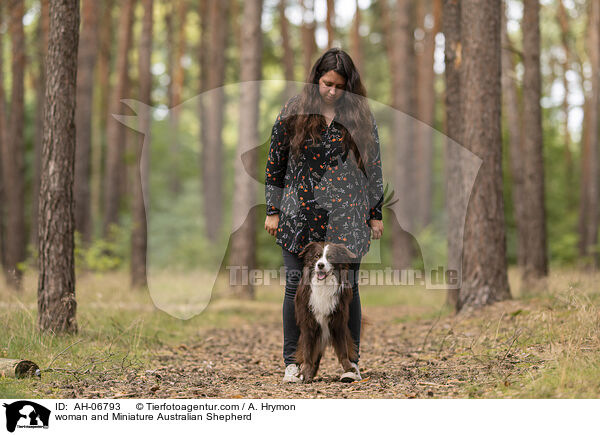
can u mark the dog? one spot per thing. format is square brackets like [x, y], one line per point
[322, 307]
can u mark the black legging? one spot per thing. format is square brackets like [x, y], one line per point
[291, 332]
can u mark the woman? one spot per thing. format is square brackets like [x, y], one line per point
[323, 181]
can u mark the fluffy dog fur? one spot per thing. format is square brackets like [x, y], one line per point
[322, 307]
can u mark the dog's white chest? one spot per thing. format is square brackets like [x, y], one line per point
[323, 300]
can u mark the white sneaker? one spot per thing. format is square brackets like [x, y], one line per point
[292, 374]
[352, 376]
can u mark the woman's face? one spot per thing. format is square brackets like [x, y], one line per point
[331, 86]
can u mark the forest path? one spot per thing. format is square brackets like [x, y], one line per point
[452, 356]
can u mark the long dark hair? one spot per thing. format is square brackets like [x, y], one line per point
[352, 109]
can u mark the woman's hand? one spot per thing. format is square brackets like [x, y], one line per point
[271, 224]
[377, 228]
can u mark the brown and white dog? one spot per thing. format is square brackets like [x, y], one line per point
[322, 307]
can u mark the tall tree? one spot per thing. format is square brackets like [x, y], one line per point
[115, 131]
[588, 214]
[104, 90]
[514, 121]
[288, 52]
[40, 88]
[212, 151]
[399, 43]
[244, 239]
[428, 18]
[56, 285]
[356, 48]
[330, 23]
[203, 52]
[484, 277]
[308, 34]
[3, 137]
[12, 153]
[176, 82]
[453, 171]
[85, 92]
[139, 239]
[534, 214]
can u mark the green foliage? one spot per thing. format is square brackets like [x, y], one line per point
[103, 255]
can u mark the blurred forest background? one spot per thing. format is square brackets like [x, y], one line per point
[166, 52]
[517, 83]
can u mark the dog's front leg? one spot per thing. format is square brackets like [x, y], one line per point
[307, 367]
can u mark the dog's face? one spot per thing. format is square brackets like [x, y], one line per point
[324, 258]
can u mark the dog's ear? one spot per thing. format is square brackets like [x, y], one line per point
[346, 252]
[349, 253]
[306, 249]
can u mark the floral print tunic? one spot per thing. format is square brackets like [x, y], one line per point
[323, 196]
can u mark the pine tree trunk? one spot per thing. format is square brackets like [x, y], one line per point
[56, 285]
[115, 131]
[83, 118]
[288, 53]
[534, 214]
[355, 42]
[484, 278]
[454, 124]
[401, 61]
[3, 138]
[514, 117]
[13, 150]
[139, 240]
[308, 36]
[425, 79]
[175, 91]
[104, 89]
[244, 239]
[589, 199]
[42, 49]
[213, 147]
[329, 23]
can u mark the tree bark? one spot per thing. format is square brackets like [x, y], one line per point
[56, 285]
[425, 103]
[454, 124]
[212, 152]
[115, 131]
[588, 223]
[484, 255]
[514, 119]
[13, 150]
[3, 138]
[329, 23]
[104, 89]
[401, 63]
[203, 52]
[355, 42]
[534, 213]
[308, 35]
[40, 86]
[83, 118]
[139, 239]
[288, 52]
[243, 242]
[177, 76]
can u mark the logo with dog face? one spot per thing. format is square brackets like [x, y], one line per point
[26, 414]
[188, 239]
